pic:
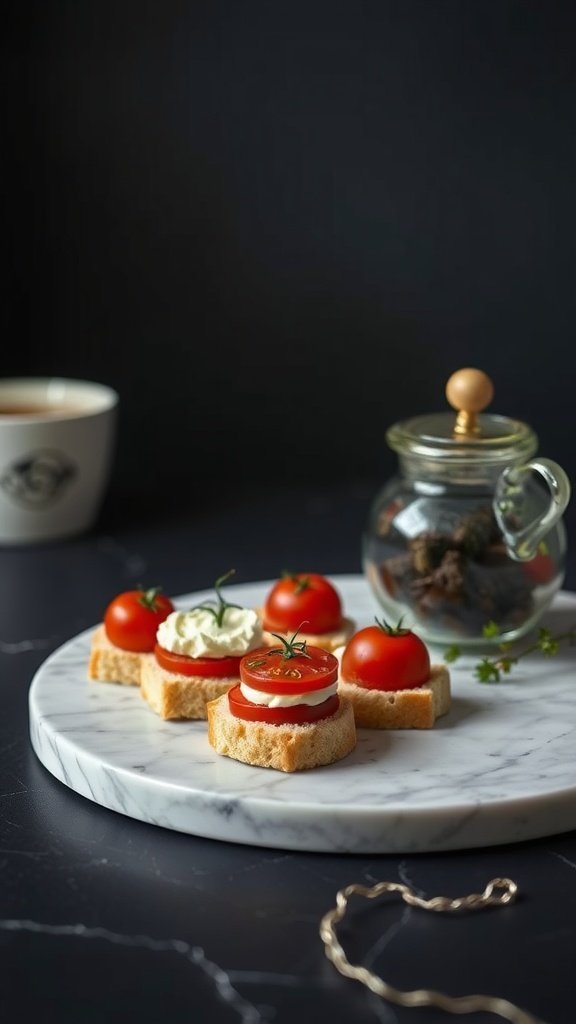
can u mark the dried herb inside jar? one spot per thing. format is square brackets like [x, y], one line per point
[461, 578]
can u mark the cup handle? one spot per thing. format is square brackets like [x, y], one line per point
[522, 544]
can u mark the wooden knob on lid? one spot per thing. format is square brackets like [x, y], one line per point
[469, 391]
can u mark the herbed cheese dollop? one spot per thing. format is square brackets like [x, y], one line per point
[196, 633]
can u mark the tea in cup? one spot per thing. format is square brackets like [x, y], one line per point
[56, 447]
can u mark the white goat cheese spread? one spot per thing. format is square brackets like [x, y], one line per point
[197, 634]
[288, 700]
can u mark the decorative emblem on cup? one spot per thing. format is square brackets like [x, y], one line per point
[38, 479]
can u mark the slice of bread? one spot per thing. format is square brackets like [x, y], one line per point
[327, 641]
[288, 748]
[400, 709]
[172, 695]
[110, 664]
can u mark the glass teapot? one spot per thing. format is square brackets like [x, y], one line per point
[470, 532]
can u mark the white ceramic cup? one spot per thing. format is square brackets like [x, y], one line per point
[56, 447]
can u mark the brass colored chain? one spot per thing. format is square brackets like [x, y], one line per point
[498, 892]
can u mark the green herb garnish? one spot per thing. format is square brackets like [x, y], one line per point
[291, 648]
[222, 605]
[491, 670]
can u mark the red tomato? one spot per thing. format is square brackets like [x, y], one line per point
[303, 599]
[539, 569]
[297, 715]
[215, 668]
[382, 658]
[269, 670]
[132, 618]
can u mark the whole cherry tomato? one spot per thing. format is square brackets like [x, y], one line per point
[304, 600]
[132, 618]
[382, 657]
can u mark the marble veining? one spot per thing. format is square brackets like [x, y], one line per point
[222, 980]
[499, 768]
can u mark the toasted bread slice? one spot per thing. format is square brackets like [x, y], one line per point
[110, 664]
[288, 748]
[400, 709]
[172, 695]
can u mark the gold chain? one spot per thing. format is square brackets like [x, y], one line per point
[498, 892]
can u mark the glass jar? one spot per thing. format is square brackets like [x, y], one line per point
[469, 535]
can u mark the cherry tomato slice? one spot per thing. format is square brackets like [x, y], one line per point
[381, 660]
[299, 714]
[132, 619]
[214, 668]
[303, 598]
[272, 673]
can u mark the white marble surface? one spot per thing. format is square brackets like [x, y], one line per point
[500, 767]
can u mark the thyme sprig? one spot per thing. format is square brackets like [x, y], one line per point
[291, 647]
[491, 670]
[222, 605]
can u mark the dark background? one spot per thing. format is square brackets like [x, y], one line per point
[278, 227]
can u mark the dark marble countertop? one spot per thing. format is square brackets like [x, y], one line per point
[105, 918]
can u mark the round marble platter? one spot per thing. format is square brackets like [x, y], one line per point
[499, 768]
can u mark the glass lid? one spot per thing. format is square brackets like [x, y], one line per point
[471, 434]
